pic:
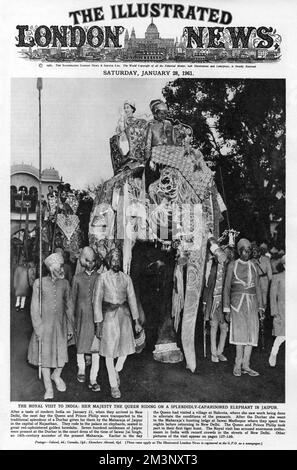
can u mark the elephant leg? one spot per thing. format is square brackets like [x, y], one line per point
[156, 301]
[166, 349]
[136, 272]
[139, 304]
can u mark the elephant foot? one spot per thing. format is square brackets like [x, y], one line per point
[168, 353]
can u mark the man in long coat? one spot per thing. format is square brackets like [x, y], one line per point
[243, 303]
[86, 341]
[213, 304]
[53, 329]
[114, 304]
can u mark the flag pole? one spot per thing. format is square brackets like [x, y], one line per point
[39, 88]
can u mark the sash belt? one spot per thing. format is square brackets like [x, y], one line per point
[109, 306]
[238, 289]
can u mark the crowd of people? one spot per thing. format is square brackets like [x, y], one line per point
[96, 309]
[238, 288]
[98, 313]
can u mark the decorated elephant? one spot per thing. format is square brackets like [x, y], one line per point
[163, 209]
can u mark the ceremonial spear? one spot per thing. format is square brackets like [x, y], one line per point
[39, 88]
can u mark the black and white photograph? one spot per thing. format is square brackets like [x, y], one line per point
[148, 240]
[148, 229]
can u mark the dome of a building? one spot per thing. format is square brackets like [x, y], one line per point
[50, 174]
[152, 32]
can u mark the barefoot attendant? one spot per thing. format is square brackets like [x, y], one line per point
[243, 302]
[212, 302]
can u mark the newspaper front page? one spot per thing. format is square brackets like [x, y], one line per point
[148, 221]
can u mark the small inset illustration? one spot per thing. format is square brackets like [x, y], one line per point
[202, 44]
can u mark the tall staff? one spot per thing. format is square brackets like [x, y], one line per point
[39, 88]
[21, 212]
[20, 227]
